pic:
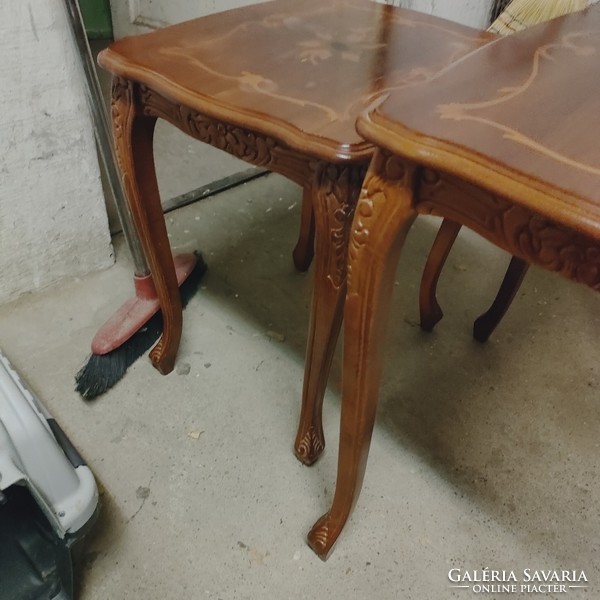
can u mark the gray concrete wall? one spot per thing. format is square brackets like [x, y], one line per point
[137, 16]
[53, 223]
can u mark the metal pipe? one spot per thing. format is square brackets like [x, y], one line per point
[104, 138]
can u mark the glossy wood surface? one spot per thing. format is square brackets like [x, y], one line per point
[278, 85]
[301, 71]
[506, 143]
[516, 117]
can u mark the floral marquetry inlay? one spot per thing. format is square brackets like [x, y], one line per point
[583, 45]
[307, 68]
[348, 47]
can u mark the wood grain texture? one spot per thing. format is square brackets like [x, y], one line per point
[243, 143]
[317, 66]
[383, 217]
[335, 190]
[278, 85]
[523, 133]
[525, 233]
[133, 132]
[514, 157]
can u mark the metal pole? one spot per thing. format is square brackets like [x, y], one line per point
[104, 138]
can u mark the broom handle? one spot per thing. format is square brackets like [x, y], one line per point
[104, 138]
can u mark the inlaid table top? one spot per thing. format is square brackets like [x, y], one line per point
[519, 117]
[301, 71]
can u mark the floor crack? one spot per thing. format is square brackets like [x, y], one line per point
[143, 493]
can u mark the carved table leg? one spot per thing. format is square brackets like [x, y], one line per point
[335, 191]
[305, 247]
[431, 311]
[133, 133]
[387, 208]
[489, 320]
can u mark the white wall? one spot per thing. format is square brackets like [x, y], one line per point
[131, 17]
[53, 223]
[474, 13]
[138, 16]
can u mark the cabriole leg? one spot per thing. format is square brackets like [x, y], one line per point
[133, 133]
[383, 217]
[334, 194]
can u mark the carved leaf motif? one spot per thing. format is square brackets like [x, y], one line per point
[250, 146]
[388, 183]
[311, 445]
[371, 189]
[338, 187]
[120, 108]
[525, 234]
[320, 536]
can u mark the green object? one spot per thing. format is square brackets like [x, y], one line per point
[97, 19]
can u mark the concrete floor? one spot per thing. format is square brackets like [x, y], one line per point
[482, 456]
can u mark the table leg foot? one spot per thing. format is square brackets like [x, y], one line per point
[323, 536]
[431, 312]
[485, 325]
[310, 444]
[163, 362]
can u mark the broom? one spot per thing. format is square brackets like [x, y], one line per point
[107, 365]
[521, 14]
[132, 330]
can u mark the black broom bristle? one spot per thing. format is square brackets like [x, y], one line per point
[102, 371]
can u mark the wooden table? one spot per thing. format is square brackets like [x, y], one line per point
[279, 85]
[506, 142]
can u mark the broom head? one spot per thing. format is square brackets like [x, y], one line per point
[521, 14]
